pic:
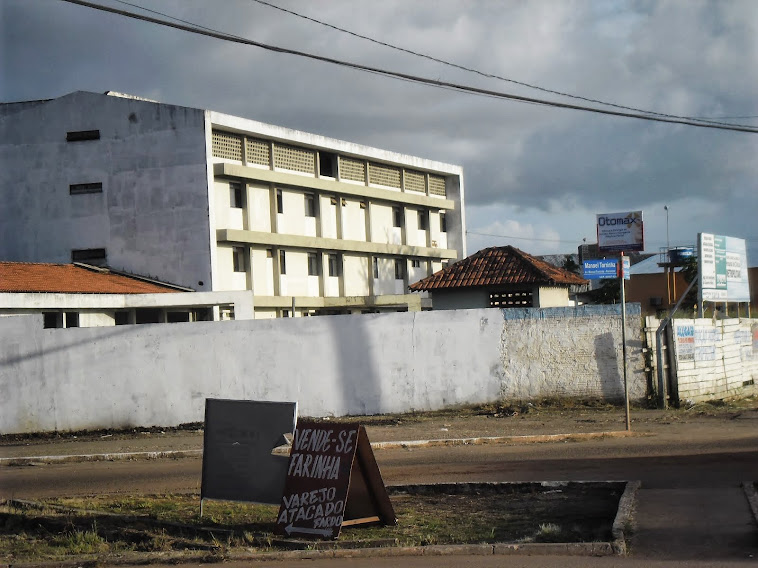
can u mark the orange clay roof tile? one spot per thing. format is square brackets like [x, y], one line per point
[70, 279]
[497, 266]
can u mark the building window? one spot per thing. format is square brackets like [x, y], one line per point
[334, 264]
[122, 318]
[282, 263]
[81, 135]
[72, 319]
[422, 220]
[52, 320]
[397, 216]
[511, 299]
[310, 205]
[443, 223]
[279, 201]
[327, 164]
[79, 188]
[238, 259]
[236, 200]
[95, 257]
[399, 269]
[415, 263]
[313, 264]
[376, 267]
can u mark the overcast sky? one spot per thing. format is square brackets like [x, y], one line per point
[535, 176]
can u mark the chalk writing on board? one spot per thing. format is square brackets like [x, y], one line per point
[318, 476]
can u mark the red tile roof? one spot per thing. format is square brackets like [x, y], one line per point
[498, 266]
[71, 279]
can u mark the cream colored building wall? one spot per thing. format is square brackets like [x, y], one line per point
[553, 297]
[353, 220]
[263, 272]
[259, 207]
[357, 271]
[382, 230]
[328, 216]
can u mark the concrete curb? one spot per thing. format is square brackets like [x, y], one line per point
[752, 497]
[535, 439]
[624, 517]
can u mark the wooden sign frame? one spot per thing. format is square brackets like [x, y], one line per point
[333, 481]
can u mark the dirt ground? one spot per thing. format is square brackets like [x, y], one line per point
[495, 420]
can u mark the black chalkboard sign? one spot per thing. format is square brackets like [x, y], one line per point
[237, 461]
[332, 481]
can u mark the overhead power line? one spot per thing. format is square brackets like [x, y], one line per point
[405, 76]
[492, 75]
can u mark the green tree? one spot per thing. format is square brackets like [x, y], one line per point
[570, 264]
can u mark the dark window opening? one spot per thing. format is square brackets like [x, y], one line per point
[416, 263]
[72, 319]
[52, 320]
[279, 201]
[79, 188]
[80, 135]
[376, 267]
[334, 265]
[177, 317]
[399, 269]
[96, 257]
[238, 259]
[512, 299]
[422, 220]
[236, 200]
[148, 315]
[327, 164]
[314, 265]
[397, 216]
[122, 318]
[282, 262]
[443, 223]
[310, 205]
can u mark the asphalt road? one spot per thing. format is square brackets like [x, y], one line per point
[691, 510]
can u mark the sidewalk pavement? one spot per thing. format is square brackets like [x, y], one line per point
[527, 425]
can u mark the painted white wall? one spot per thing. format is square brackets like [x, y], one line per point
[371, 364]
[151, 160]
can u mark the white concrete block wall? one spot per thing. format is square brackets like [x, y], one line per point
[151, 161]
[333, 365]
[717, 360]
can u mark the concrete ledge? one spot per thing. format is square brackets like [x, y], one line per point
[533, 439]
[40, 460]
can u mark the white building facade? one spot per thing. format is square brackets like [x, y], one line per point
[213, 202]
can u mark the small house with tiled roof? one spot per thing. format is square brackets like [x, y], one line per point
[80, 295]
[500, 277]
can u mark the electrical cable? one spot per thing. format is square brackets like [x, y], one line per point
[398, 75]
[490, 75]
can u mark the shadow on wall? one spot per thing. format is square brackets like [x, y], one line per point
[358, 379]
[608, 365]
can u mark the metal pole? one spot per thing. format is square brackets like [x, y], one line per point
[623, 343]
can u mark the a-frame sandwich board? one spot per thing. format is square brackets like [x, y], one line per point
[333, 480]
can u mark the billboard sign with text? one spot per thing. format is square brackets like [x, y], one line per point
[617, 232]
[723, 269]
